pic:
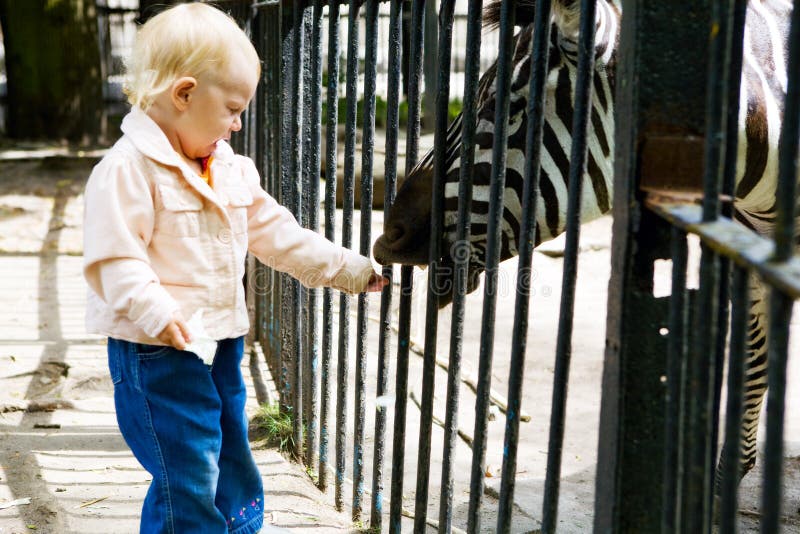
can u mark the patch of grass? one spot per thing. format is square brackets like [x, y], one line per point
[274, 426]
[312, 474]
[362, 528]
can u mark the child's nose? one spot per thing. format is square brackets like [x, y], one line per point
[237, 124]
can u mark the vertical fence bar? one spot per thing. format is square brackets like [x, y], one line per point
[676, 358]
[290, 167]
[347, 239]
[731, 452]
[497, 185]
[367, 148]
[698, 471]
[519, 336]
[432, 304]
[304, 327]
[283, 192]
[780, 304]
[780, 310]
[739, 11]
[298, 125]
[332, 118]
[256, 274]
[406, 275]
[274, 73]
[577, 168]
[248, 21]
[788, 149]
[315, 120]
[401, 401]
[390, 188]
[461, 255]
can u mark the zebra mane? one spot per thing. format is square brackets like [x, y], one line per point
[523, 14]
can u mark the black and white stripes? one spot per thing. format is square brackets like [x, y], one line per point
[557, 138]
[763, 90]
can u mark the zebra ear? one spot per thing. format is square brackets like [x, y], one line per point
[523, 14]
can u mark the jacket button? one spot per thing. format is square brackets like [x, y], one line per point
[224, 235]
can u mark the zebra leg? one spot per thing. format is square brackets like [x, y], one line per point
[755, 383]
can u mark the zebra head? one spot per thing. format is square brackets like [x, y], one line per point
[407, 230]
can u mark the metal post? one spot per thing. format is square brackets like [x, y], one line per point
[347, 239]
[539, 69]
[461, 256]
[653, 104]
[432, 304]
[367, 147]
[780, 308]
[406, 275]
[577, 168]
[330, 233]
[390, 187]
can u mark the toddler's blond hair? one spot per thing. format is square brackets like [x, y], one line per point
[185, 40]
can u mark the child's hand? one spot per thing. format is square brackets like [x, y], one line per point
[376, 282]
[176, 333]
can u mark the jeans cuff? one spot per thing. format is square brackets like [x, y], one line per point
[251, 527]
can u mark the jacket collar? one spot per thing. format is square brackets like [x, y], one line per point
[151, 141]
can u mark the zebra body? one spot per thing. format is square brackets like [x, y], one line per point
[763, 90]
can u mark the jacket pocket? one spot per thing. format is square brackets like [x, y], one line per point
[180, 215]
[239, 198]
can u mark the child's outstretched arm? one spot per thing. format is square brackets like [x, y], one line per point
[278, 241]
[118, 225]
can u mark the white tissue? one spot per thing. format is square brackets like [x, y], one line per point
[384, 401]
[204, 346]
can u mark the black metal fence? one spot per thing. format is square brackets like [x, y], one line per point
[295, 326]
[658, 111]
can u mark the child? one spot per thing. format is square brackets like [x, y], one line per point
[170, 214]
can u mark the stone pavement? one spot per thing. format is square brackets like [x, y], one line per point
[64, 467]
[60, 447]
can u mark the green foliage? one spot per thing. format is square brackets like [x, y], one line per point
[453, 109]
[403, 113]
[53, 65]
[380, 112]
[274, 426]
[381, 107]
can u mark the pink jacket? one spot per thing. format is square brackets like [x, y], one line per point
[158, 239]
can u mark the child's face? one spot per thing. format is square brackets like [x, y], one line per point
[214, 110]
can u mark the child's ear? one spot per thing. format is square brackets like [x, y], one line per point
[182, 90]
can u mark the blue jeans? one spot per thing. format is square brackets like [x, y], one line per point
[185, 423]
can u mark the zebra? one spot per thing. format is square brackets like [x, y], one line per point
[406, 235]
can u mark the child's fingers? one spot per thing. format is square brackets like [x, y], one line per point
[184, 329]
[177, 339]
[377, 282]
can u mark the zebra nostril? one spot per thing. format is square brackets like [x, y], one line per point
[394, 233]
